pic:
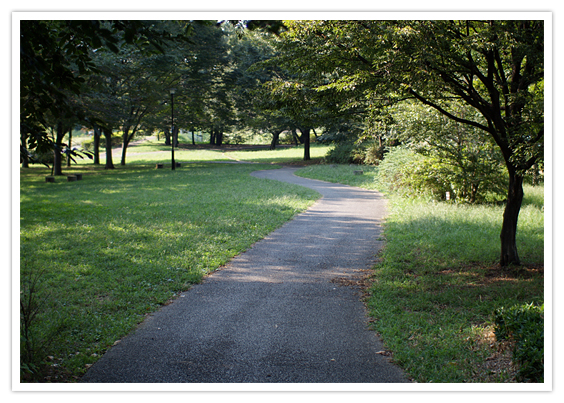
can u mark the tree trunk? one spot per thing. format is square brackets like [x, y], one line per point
[124, 145]
[175, 136]
[167, 136]
[57, 156]
[305, 140]
[109, 161]
[295, 137]
[508, 235]
[219, 138]
[97, 135]
[275, 138]
[24, 158]
[212, 137]
[69, 148]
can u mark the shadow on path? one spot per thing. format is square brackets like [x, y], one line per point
[274, 313]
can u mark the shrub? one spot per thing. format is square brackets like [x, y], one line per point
[523, 326]
[410, 174]
[374, 154]
[413, 174]
[345, 153]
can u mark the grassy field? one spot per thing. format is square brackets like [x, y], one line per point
[119, 244]
[107, 250]
[438, 283]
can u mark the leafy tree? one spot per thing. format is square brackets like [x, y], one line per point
[468, 161]
[56, 57]
[495, 67]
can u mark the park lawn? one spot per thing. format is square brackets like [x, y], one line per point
[432, 294]
[280, 155]
[117, 245]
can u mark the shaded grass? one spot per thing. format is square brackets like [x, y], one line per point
[119, 244]
[438, 282]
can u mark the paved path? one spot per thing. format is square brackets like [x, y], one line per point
[276, 313]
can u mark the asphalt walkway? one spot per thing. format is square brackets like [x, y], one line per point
[280, 312]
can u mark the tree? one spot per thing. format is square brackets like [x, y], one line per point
[495, 67]
[469, 162]
[56, 57]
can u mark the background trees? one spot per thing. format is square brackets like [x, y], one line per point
[487, 76]
[56, 58]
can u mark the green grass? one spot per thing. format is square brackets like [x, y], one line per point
[279, 155]
[438, 282]
[119, 244]
[339, 173]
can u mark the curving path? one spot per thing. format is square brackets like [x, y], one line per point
[276, 313]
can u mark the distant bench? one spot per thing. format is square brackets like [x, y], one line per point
[70, 178]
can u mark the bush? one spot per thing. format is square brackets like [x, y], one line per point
[410, 174]
[374, 154]
[523, 326]
[413, 174]
[344, 153]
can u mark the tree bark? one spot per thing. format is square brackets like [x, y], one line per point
[219, 138]
[508, 235]
[175, 136]
[57, 156]
[109, 161]
[69, 148]
[167, 136]
[275, 137]
[97, 135]
[24, 158]
[125, 144]
[305, 139]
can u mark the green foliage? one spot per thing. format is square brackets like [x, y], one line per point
[342, 153]
[523, 325]
[413, 174]
[373, 154]
[463, 157]
[349, 152]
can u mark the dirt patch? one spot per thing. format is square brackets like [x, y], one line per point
[499, 362]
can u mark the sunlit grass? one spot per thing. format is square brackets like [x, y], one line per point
[118, 244]
[438, 282]
[342, 173]
[279, 155]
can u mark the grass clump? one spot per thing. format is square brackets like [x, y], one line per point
[103, 252]
[438, 282]
[523, 326]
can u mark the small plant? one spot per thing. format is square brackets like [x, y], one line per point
[33, 342]
[523, 325]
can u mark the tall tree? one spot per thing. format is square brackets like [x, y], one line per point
[495, 67]
[56, 58]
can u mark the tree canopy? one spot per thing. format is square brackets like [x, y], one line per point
[341, 75]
